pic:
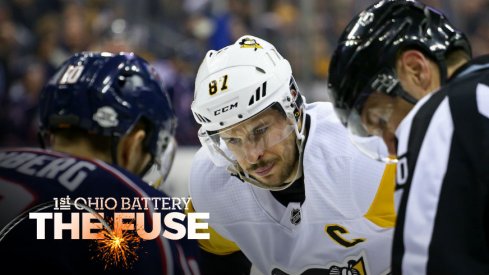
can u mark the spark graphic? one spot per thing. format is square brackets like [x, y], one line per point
[117, 249]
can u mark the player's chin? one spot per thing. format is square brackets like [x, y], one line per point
[271, 180]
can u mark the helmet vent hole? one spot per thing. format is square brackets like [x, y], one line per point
[202, 118]
[424, 29]
[260, 92]
[260, 70]
[121, 81]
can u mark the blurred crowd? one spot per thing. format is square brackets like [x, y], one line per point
[36, 36]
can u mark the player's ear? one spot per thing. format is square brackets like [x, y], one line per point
[131, 154]
[417, 68]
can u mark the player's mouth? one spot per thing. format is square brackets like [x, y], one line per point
[265, 170]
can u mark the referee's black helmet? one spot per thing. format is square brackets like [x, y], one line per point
[364, 59]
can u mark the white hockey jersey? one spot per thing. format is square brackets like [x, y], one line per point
[336, 229]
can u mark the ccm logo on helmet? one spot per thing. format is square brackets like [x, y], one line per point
[226, 108]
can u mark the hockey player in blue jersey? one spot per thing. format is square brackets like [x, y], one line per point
[106, 120]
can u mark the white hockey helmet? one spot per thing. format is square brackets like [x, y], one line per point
[235, 84]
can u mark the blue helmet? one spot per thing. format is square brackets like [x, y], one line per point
[107, 94]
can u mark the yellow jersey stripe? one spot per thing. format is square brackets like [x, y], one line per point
[216, 244]
[382, 210]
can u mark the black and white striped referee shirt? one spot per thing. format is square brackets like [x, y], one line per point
[443, 173]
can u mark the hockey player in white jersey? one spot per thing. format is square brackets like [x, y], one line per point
[282, 182]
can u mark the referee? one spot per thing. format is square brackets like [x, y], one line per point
[401, 71]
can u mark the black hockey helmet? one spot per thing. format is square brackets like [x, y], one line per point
[364, 59]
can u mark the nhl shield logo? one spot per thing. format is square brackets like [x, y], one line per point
[295, 216]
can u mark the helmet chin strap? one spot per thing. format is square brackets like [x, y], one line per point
[405, 95]
[301, 137]
[147, 167]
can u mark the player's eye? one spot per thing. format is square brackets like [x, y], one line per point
[260, 131]
[232, 141]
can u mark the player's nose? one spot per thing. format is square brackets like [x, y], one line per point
[253, 152]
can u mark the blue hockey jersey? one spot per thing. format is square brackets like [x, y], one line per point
[42, 181]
